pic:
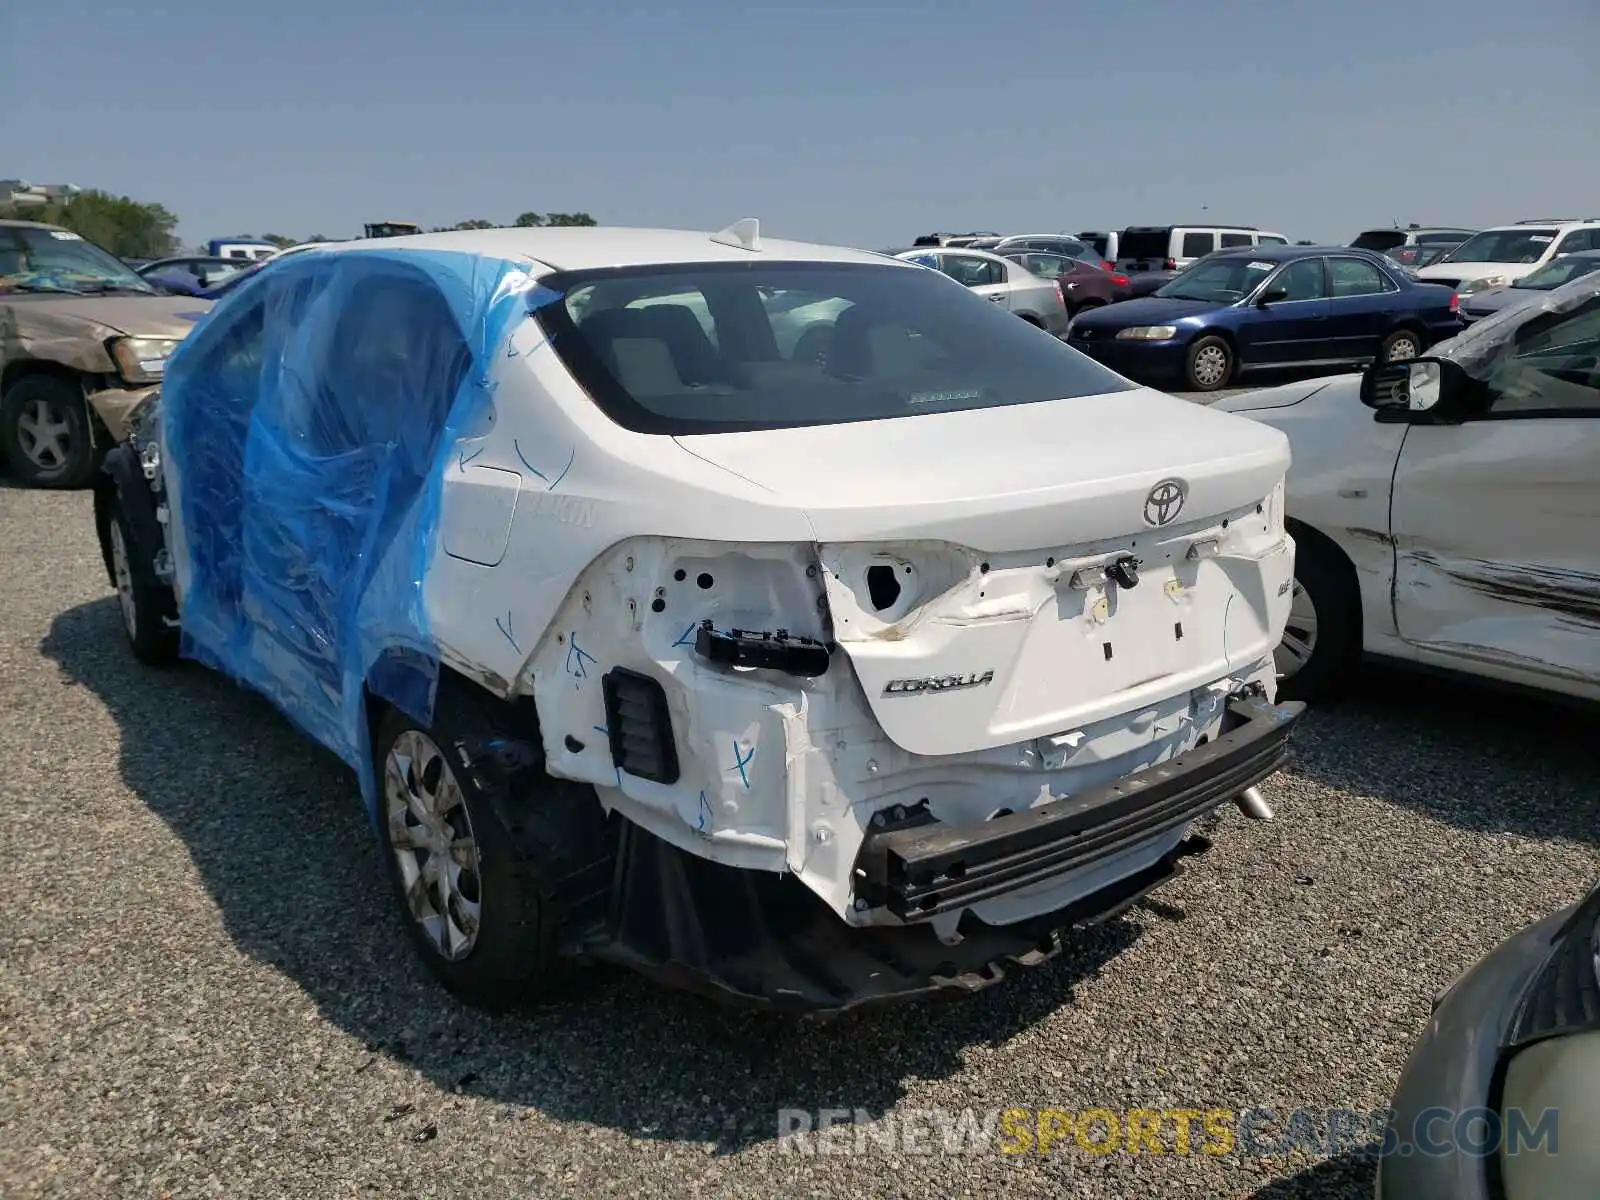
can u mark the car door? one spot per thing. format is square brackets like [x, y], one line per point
[1495, 519]
[1361, 308]
[1291, 329]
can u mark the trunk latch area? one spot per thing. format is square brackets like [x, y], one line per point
[1125, 571]
[1122, 571]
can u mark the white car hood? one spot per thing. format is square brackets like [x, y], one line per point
[1463, 271]
[1017, 477]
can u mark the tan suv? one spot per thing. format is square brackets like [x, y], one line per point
[82, 340]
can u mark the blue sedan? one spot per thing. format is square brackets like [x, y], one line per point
[1269, 306]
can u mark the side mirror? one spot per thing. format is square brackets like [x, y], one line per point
[1405, 390]
[1271, 296]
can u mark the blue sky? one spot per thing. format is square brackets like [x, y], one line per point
[859, 123]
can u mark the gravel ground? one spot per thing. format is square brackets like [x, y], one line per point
[204, 989]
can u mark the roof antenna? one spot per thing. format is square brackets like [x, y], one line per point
[741, 235]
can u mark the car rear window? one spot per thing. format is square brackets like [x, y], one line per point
[1379, 240]
[1098, 240]
[722, 347]
[1145, 243]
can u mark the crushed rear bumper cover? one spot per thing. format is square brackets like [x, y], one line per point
[924, 869]
[752, 938]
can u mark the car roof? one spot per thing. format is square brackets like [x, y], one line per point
[1553, 222]
[580, 248]
[1065, 237]
[1195, 225]
[969, 251]
[1272, 253]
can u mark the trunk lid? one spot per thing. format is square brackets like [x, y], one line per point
[965, 557]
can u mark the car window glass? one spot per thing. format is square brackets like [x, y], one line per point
[1445, 238]
[1301, 280]
[1551, 364]
[1230, 240]
[1578, 239]
[1379, 240]
[847, 342]
[1272, 239]
[1196, 245]
[1505, 246]
[1045, 266]
[1352, 277]
[973, 272]
[394, 360]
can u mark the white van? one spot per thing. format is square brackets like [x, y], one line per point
[1144, 248]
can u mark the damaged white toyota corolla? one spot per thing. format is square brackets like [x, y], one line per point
[780, 620]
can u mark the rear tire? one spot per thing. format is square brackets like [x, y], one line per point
[484, 913]
[1322, 638]
[46, 433]
[1209, 364]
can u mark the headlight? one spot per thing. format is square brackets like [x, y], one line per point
[1148, 333]
[1468, 286]
[1565, 996]
[142, 360]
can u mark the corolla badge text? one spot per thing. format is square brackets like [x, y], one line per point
[937, 683]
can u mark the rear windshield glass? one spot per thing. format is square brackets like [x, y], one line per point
[1144, 243]
[1379, 240]
[1505, 246]
[735, 346]
[1098, 240]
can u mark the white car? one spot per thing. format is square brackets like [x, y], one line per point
[1499, 256]
[1446, 512]
[1010, 285]
[654, 632]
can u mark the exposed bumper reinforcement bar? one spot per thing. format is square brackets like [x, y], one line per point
[923, 870]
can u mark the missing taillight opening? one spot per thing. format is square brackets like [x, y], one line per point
[883, 588]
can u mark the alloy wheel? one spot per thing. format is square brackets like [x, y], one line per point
[1299, 634]
[430, 833]
[44, 434]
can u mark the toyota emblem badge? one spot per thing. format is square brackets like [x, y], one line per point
[1165, 502]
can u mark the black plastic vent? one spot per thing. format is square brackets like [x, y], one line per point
[639, 726]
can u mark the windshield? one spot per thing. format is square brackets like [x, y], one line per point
[1504, 246]
[54, 260]
[1554, 274]
[1221, 281]
[713, 348]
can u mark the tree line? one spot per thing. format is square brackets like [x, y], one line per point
[137, 229]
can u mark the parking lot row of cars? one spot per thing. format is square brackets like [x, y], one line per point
[1197, 307]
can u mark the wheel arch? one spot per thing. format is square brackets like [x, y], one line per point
[22, 368]
[1309, 535]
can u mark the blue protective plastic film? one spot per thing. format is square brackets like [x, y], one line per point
[307, 422]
